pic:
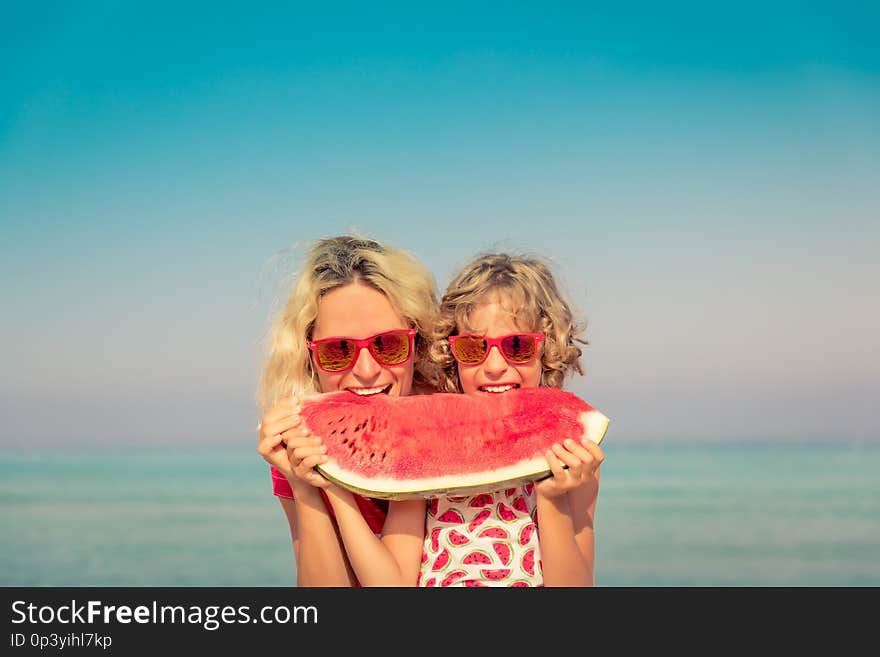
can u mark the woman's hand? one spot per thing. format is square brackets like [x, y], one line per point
[582, 461]
[286, 444]
[279, 419]
[304, 452]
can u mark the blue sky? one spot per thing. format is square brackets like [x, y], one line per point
[704, 179]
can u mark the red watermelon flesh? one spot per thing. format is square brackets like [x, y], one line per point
[425, 445]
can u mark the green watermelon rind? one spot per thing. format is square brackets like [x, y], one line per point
[595, 427]
[531, 471]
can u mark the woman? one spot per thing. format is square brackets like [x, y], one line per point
[357, 319]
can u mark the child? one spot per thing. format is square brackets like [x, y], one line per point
[503, 325]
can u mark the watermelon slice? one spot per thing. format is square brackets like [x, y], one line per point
[425, 445]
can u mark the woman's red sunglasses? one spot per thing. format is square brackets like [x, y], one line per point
[340, 354]
[517, 348]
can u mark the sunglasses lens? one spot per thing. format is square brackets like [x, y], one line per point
[518, 348]
[335, 355]
[391, 348]
[469, 349]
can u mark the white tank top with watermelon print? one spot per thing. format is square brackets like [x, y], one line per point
[489, 539]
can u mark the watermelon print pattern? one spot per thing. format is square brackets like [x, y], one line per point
[489, 539]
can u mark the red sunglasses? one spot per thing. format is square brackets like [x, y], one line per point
[517, 348]
[340, 354]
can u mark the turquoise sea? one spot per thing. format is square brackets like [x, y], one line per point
[669, 515]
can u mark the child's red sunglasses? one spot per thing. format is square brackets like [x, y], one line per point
[340, 354]
[517, 348]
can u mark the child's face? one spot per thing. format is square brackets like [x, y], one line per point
[495, 375]
[360, 311]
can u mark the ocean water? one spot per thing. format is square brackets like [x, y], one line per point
[668, 515]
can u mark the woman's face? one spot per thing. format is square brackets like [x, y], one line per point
[495, 375]
[359, 311]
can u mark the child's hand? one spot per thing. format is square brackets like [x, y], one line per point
[582, 460]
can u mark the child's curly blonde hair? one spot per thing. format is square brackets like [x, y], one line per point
[526, 288]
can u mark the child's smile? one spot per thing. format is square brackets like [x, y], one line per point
[496, 375]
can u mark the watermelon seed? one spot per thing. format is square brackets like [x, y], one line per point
[342, 432]
[345, 441]
[372, 454]
[383, 455]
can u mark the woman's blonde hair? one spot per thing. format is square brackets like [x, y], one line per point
[331, 263]
[525, 288]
